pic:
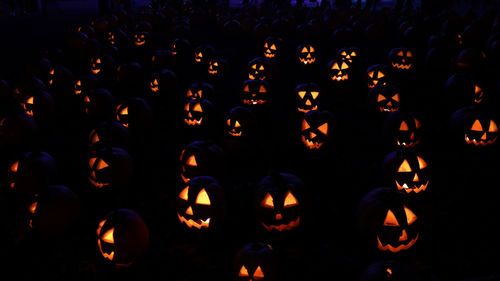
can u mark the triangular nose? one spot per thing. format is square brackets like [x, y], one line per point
[312, 135]
[483, 137]
[189, 211]
[279, 217]
[190, 115]
[389, 103]
[403, 236]
[415, 178]
[308, 102]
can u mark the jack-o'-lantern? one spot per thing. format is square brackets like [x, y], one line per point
[109, 134]
[384, 98]
[258, 69]
[98, 104]
[272, 47]
[141, 38]
[482, 135]
[339, 70]
[134, 113]
[196, 112]
[200, 158]
[474, 126]
[377, 74]
[85, 84]
[401, 59]
[315, 129]
[95, 65]
[122, 237]
[40, 105]
[255, 92]
[306, 54]
[408, 171]
[31, 171]
[278, 202]
[387, 221]
[109, 167]
[307, 95]
[402, 129]
[200, 90]
[216, 67]
[179, 46]
[350, 54]
[154, 85]
[163, 82]
[54, 210]
[203, 54]
[241, 122]
[201, 204]
[462, 90]
[256, 261]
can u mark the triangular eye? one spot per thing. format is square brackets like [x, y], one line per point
[101, 165]
[380, 98]
[184, 193]
[246, 89]
[254, 66]
[493, 127]
[14, 167]
[262, 89]
[417, 123]
[305, 125]
[314, 94]
[304, 50]
[237, 124]
[243, 272]
[390, 219]
[396, 97]
[191, 161]
[228, 122]
[404, 167]
[477, 126]
[30, 100]
[311, 49]
[200, 55]
[215, 64]
[203, 198]
[92, 161]
[409, 54]
[324, 129]
[95, 138]
[189, 93]
[477, 89]
[302, 94]
[98, 61]
[404, 126]
[258, 274]
[33, 206]
[400, 53]
[344, 66]
[108, 236]
[410, 216]
[101, 224]
[353, 54]
[380, 74]
[273, 47]
[186, 108]
[267, 202]
[421, 162]
[265, 45]
[370, 74]
[343, 53]
[79, 83]
[86, 99]
[335, 66]
[124, 111]
[290, 200]
[197, 108]
[261, 67]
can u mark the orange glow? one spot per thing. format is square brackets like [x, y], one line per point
[191, 223]
[493, 127]
[184, 193]
[290, 200]
[477, 126]
[398, 248]
[191, 161]
[101, 165]
[282, 227]
[390, 219]
[405, 167]
[403, 127]
[14, 167]
[243, 272]
[421, 162]
[324, 129]
[410, 216]
[258, 274]
[203, 198]
[268, 201]
[305, 125]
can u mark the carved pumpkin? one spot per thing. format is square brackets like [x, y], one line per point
[39, 105]
[216, 67]
[350, 54]
[166, 80]
[315, 129]
[197, 113]
[258, 69]
[272, 47]
[203, 54]
[200, 90]
[31, 171]
[241, 123]
[200, 158]
[122, 237]
[85, 84]
[141, 38]
[180, 47]
[339, 70]
[256, 261]
[306, 54]
[474, 126]
[407, 171]
[403, 129]
[401, 59]
[377, 74]
[278, 202]
[201, 204]
[135, 114]
[255, 92]
[110, 167]
[387, 221]
[384, 98]
[461, 90]
[109, 134]
[307, 95]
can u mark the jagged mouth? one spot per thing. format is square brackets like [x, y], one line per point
[212, 71]
[415, 187]
[393, 249]
[401, 66]
[307, 61]
[269, 55]
[479, 142]
[389, 109]
[95, 70]
[408, 144]
[235, 134]
[305, 110]
[253, 101]
[154, 88]
[340, 78]
[193, 122]
[311, 144]
[256, 76]
[96, 183]
[199, 223]
[197, 59]
[281, 227]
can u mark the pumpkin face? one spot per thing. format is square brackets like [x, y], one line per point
[307, 95]
[110, 166]
[399, 226]
[272, 47]
[338, 70]
[95, 65]
[196, 112]
[241, 122]
[134, 113]
[481, 132]
[215, 67]
[255, 261]
[315, 131]
[38, 105]
[403, 129]
[179, 45]
[278, 202]
[255, 92]
[258, 69]
[154, 84]
[203, 54]
[200, 158]
[199, 90]
[108, 134]
[410, 172]
[29, 172]
[401, 59]
[349, 53]
[474, 126]
[140, 38]
[122, 237]
[385, 98]
[306, 54]
[377, 74]
[200, 203]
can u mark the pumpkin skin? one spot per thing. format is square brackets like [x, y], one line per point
[407, 171]
[180, 47]
[315, 130]
[110, 167]
[384, 98]
[255, 92]
[401, 59]
[377, 74]
[255, 261]
[109, 134]
[272, 47]
[339, 70]
[201, 205]
[163, 83]
[278, 202]
[200, 90]
[306, 54]
[30, 172]
[474, 127]
[85, 84]
[53, 211]
[402, 129]
[201, 158]
[387, 222]
[103, 67]
[308, 96]
[122, 237]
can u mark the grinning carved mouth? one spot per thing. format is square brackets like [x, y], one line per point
[479, 142]
[269, 55]
[191, 223]
[193, 122]
[212, 71]
[401, 66]
[393, 249]
[140, 43]
[282, 227]
[255, 76]
[416, 188]
[304, 110]
[235, 134]
[253, 101]
[408, 144]
[339, 78]
[311, 144]
[94, 182]
[95, 70]
[388, 108]
[307, 60]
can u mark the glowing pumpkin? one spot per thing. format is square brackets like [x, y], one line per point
[306, 54]
[256, 261]
[308, 97]
[401, 59]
